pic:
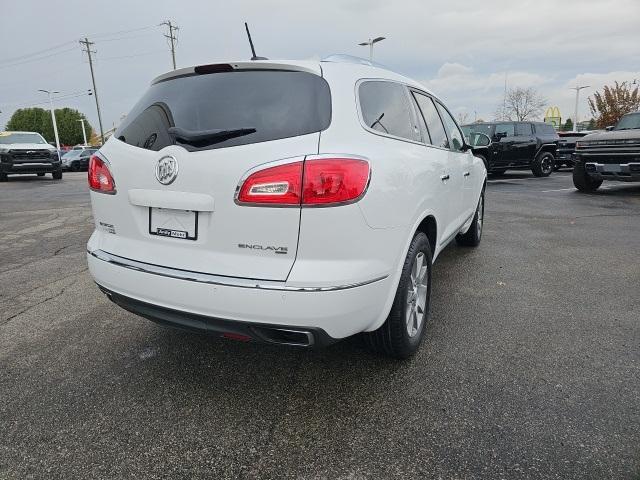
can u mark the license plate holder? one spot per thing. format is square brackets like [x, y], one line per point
[170, 223]
[612, 167]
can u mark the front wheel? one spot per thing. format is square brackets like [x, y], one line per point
[401, 334]
[472, 237]
[543, 165]
[57, 175]
[583, 181]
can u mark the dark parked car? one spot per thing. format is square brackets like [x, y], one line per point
[517, 145]
[77, 160]
[567, 147]
[610, 155]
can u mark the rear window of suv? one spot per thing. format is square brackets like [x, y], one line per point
[226, 109]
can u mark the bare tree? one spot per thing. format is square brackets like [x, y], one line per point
[462, 117]
[521, 104]
[613, 102]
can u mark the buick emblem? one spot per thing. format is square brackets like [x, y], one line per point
[167, 170]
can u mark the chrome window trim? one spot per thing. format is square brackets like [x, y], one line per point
[211, 279]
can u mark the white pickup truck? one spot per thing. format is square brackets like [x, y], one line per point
[27, 153]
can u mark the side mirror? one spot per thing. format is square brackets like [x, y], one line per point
[609, 128]
[477, 140]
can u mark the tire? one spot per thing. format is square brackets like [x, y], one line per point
[401, 334]
[582, 181]
[57, 175]
[543, 165]
[473, 236]
[75, 167]
[41, 174]
[4, 177]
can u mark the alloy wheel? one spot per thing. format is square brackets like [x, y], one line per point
[417, 294]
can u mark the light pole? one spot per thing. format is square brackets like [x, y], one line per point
[575, 113]
[84, 132]
[53, 118]
[370, 43]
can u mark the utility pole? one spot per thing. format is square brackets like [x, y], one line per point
[172, 39]
[84, 132]
[87, 44]
[53, 119]
[577, 88]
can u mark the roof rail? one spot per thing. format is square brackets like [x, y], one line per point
[344, 58]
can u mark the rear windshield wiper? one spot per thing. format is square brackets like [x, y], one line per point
[203, 138]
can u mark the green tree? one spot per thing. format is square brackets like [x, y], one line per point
[613, 102]
[568, 125]
[592, 124]
[39, 120]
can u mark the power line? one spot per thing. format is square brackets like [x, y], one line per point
[15, 64]
[87, 44]
[67, 96]
[173, 29]
[156, 52]
[27, 55]
[148, 27]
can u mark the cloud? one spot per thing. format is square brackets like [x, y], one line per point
[461, 49]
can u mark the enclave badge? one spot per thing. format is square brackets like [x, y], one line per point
[166, 170]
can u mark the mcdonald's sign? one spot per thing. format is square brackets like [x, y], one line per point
[552, 116]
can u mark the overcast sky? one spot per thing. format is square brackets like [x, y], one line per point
[460, 49]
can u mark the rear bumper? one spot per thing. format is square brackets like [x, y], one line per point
[247, 307]
[622, 172]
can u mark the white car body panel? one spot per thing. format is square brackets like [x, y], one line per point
[361, 246]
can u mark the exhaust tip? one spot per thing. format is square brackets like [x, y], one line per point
[285, 336]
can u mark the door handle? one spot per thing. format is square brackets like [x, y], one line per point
[466, 174]
[444, 177]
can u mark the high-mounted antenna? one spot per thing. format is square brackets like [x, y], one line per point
[253, 50]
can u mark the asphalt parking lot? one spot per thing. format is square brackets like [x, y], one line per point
[530, 368]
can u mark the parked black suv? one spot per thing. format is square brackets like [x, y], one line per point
[517, 145]
[610, 155]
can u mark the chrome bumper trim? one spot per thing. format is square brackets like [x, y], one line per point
[216, 279]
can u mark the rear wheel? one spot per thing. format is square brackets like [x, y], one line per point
[582, 180]
[57, 175]
[543, 165]
[3, 177]
[402, 332]
[472, 236]
[41, 174]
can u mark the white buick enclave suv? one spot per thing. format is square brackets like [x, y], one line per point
[286, 202]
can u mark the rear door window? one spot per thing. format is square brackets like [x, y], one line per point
[228, 108]
[504, 130]
[385, 108]
[523, 130]
[432, 119]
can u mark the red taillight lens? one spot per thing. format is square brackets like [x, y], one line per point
[334, 180]
[274, 185]
[100, 178]
[316, 181]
